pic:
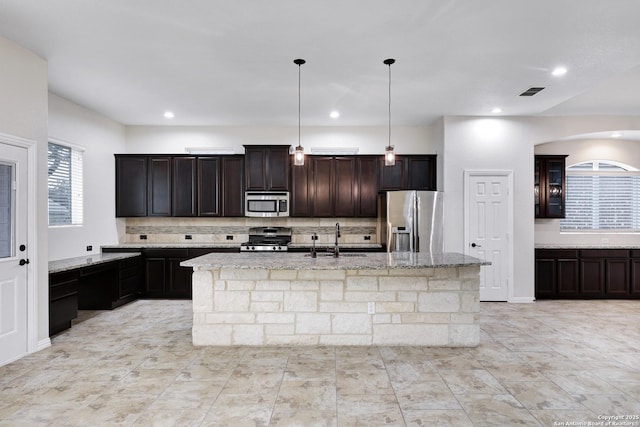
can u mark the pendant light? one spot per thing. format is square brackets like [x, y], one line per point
[389, 152]
[298, 155]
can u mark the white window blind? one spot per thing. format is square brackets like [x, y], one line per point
[602, 196]
[65, 185]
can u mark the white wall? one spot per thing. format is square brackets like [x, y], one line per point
[23, 113]
[547, 231]
[100, 138]
[508, 143]
[369, 140]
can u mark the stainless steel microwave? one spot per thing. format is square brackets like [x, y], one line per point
[266, 203]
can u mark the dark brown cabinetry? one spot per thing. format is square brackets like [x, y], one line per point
[179, 186]
[549, 186]
[301, 191]
[412, 172]
[63, 300]
[587, 273]
[103, 286]
[366, 203]
[267, 167]
[131, 186]
[161, 274]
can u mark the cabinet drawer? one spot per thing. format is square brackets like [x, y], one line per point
[127, 272]
[63, 277]
[604, 253]
[635, 253]
[63, 290]
[100, 268]
[166, 253]
[557, 253]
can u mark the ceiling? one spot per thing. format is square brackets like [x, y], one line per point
[221, 62]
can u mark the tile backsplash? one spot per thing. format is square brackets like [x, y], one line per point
[236, 230]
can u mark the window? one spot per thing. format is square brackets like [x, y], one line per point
[602, 196]
[65, 184]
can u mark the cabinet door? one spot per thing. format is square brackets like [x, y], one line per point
[545, 278]
[323, 197]
[421, 173]
[179, 278]
[634, 286]
[367, 187]
[592, 277]
[184, 186]
[131, 186]
[555, 193]
[392, 177]
[301, 191]
[154, 276]
[568, 283]
[344, 173]
[209, 186]
[617, 278]
[232, 186]
[159, 197]
[278, 168]
[256, 168]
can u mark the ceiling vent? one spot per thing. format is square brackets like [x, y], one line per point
[531, 91]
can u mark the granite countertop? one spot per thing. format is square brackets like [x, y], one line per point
[86, 261]
[324, 261]
[330, 245]
[172, 245]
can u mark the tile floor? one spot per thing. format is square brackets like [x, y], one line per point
[548, 363]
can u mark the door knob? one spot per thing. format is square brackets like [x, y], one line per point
[23, 261]
[473, 245]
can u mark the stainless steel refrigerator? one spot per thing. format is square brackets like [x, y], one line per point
[411, 221]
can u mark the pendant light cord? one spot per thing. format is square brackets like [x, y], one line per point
[299, 140]
[390, 104]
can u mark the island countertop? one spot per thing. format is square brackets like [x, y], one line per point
[324, 261]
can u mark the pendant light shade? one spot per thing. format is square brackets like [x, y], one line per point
[298, 156]
[389, 152]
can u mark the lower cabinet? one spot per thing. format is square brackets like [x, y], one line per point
[63, 300]
[164, 277]
[102, 286]
[587, 273]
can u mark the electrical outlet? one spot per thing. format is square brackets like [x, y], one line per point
[371, 308]
[314, 237]
[89, 248]
[229, 237]
[143, 237]
[187, 237]
[367, 237]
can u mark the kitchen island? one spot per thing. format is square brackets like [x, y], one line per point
[417, 299]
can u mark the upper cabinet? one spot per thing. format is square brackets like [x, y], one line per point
[411, 172]
[267, 167]
[179, 185]
[549, 186]
[131, 186]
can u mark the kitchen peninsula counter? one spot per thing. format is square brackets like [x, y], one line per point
[355, 299]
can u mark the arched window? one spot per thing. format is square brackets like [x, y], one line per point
[602, 195]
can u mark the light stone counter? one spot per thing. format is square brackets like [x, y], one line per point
[86, 261]
[356, 299]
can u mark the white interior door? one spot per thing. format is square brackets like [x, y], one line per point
[14, 266]
[488, 225]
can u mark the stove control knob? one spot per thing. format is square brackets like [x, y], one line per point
[253, 248]
[274, 248]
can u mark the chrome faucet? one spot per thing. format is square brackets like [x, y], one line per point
[336, 250]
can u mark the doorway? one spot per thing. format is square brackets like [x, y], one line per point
[17, 323]
[488, 211]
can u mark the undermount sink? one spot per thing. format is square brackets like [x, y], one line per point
[329, 254]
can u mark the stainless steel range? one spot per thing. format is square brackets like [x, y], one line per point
[272, 239]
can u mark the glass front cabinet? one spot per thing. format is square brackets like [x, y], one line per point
[549, 186]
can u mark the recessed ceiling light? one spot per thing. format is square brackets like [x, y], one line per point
[616, 135]
[559, 71]
[169, 115]
[334, 114]
[496, 110]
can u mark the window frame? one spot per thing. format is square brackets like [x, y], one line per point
[624, 170]
[77, 184]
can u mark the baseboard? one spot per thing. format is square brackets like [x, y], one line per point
[522, 300]
[42, 344]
